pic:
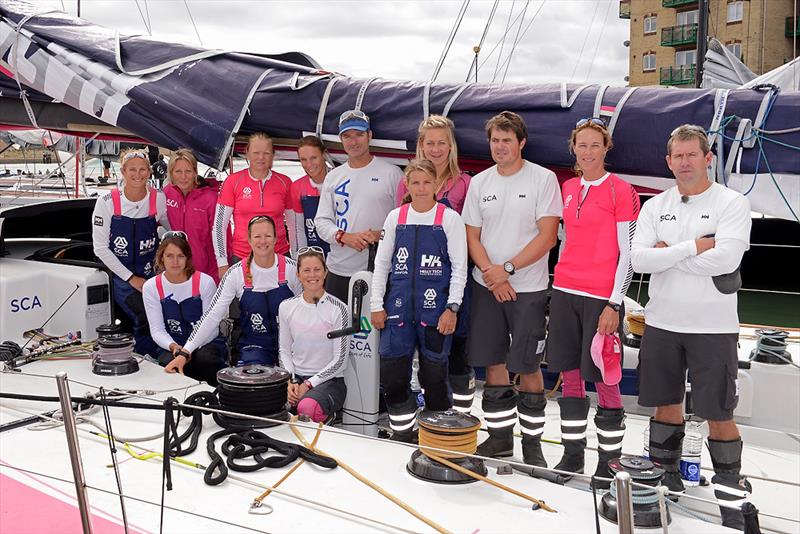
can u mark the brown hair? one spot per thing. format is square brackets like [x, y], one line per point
[255, 220]
[687, 132]
[507, 121]
[259, 135]
[438, 122]
[183, 244]
[589, 125]
[312, 254]
[312, 140]
[184, 154]
[421, 165]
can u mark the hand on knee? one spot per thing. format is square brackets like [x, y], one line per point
[311, 408]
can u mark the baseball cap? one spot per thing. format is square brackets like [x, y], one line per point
[607, 356]
[353, 119]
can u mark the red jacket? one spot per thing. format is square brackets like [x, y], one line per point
[194, 214]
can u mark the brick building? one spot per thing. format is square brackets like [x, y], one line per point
[663, 36]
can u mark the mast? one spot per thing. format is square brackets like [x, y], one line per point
[702, 41]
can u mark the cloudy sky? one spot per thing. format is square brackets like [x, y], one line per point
[557, 40]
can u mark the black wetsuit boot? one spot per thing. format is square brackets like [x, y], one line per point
[530, 407]
[574, 413]
[463, 387]
[730, 488]
[610, 424]
[500, 410]
[666, 447]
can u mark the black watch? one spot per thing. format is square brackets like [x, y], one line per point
[509, 268]
[613, 306]
[453, 307]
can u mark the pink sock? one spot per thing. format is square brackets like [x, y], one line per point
[608, 396]
[311, 408]
[572, 384]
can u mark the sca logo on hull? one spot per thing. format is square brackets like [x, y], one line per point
[358, 343]
[25, 304]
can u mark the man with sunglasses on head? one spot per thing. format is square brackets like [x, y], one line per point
[691, 239]
[354, 202]
[511, 212]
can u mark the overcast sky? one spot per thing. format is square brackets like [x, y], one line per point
[559, 40]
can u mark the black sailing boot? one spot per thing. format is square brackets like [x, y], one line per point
[463, 387]
[500, 410]
[666, 448]
[730, 488]
[530, 407]
[574, 413]
[401, 420]
[610, 425]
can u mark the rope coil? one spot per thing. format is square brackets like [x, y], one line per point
[460, 441]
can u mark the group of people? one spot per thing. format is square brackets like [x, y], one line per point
[460, 278]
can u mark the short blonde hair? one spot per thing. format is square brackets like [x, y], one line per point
[687, 132]
[128, 154]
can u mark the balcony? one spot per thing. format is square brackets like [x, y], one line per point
[790, 31]
[677, 75]
[679, 35]
[677, 3]
[624, 9]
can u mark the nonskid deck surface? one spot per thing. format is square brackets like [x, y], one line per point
[193, 506]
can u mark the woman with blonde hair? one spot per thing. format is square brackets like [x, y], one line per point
[191, 204]
[125, 238]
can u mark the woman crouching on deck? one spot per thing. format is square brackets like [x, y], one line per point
[317, 363]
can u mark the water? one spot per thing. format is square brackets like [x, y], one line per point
[690, 459]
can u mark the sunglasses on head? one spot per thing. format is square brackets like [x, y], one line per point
[134, 154]
[259, 218]
[306, 250]
[175, 234]
[591, 120]
[353, 114]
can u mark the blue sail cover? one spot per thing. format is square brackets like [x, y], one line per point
[176, 95]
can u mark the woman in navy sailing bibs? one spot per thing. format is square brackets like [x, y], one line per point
[304, 193]
[125, 239]
[175, 299]
[261, 281]
[423, 256]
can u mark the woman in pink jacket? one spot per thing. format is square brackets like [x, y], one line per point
[191, 204]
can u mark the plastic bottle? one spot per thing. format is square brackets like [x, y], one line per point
[416, 388]
[646, 448]
[690, 458]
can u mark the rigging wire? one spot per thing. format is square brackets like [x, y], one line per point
[585, 40]
[144, 20]
[474, 64]
[599, 40]
[516, 40]
[147, 12]
[502, 41]
[530, 23]
[450, 39]
[191, 18]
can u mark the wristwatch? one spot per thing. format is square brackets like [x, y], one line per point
[453, 307]
[509, 268]
[613, 306]
[308, 384]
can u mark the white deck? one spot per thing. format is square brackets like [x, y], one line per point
[467, 508]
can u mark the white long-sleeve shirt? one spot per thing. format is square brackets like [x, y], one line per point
[683, 297]
[304, 347]
[179, 293]
[232, 286]
[456, 234]
[101, 225]
[355, 200]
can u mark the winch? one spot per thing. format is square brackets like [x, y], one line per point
[646, 509]
[454, 431]
[257, 390]
[113, 355]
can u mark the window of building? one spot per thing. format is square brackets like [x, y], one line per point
[735, 48]
[650, 24]
[735, 11]
[649, 62]
[685, 57]
[686, 17]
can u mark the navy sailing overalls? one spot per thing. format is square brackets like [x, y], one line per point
[259, 311]
[180, 319]
[462, 323]
[416, 296]
[134, 241]
[310, 205]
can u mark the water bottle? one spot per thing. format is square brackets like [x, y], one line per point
[646, 448]
[690, 458]
[416, 388]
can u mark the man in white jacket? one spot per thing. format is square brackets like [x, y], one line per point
[691, 239]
